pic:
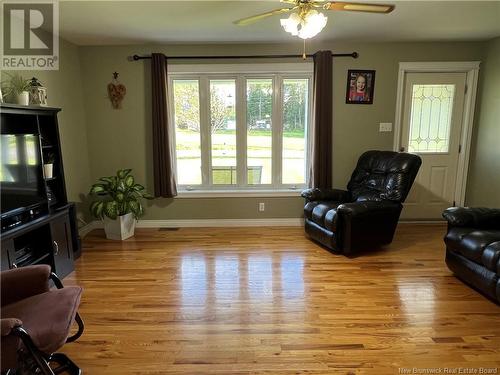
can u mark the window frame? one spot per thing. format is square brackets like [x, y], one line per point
[240, 74]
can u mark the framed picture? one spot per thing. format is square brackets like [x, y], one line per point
[360, 85]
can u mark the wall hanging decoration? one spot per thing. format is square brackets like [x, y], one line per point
[360, 86]
[37, 93]
[116, 92]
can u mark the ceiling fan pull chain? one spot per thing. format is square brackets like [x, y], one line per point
[304, 56]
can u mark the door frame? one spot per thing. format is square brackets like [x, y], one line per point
[471, 68]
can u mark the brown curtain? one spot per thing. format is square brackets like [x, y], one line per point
[164, 177]
[320, 173]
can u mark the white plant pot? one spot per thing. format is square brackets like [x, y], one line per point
[121, 228]
[48, 170]
[23, 98]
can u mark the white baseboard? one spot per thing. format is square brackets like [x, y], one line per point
[211, 223]
[191, 223]
[197, 223]
[408, 221]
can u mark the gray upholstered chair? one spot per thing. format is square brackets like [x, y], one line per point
[36, 321]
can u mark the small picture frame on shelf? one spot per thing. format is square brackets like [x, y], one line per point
[360, 86]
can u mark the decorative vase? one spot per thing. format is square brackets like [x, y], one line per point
[37, 92]
[121, 228]
[48, 170]
[23, 98]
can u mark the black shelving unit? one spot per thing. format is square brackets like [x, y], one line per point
[49, 235]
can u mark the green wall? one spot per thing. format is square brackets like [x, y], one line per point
[122, 138]
[97, 140]
[64, 88]
[483, 188]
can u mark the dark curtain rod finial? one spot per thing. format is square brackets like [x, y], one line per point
[354, 55]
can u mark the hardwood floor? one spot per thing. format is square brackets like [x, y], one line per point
[270, 301]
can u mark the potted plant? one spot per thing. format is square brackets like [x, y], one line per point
[118, 203]
[48, 165]
[16, 89]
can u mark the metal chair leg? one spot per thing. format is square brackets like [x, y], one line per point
[65, 364]
[33, 350]
[81, 327]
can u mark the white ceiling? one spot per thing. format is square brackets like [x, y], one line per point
[134, 22]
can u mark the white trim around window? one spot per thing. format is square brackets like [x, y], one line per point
[240, 73]
[256, 193]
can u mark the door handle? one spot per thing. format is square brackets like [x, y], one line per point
[56, 247]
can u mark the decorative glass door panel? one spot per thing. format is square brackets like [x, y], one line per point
[430, 119]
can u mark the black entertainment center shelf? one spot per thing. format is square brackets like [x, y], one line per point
[29, 261]
[33, 224]
[28, 107]
[38, 224]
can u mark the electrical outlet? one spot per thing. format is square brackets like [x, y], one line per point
[262, 206]
[385, 127]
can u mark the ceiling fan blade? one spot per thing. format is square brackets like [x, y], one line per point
[359, 7]
[258, 17]
[299, 3]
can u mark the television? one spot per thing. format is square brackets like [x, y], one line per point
[21, 174]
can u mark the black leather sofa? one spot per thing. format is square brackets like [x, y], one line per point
[365, 215]
[473, 247]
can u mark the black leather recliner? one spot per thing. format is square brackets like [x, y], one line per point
[366, 214]
[473, 247]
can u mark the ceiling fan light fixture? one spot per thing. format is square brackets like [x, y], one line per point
[291, 24]
[307, 27]
[314, 22]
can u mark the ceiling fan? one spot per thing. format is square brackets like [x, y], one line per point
[306, 21]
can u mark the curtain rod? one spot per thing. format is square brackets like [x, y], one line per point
[354, 55]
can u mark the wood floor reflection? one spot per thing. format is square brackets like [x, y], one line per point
[270, 301]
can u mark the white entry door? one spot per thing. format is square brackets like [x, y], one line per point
[431, 127]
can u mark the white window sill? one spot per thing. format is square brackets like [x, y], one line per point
[183, 194]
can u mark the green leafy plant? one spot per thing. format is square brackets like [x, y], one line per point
[118, 195]
[49, 158]
[15, 85]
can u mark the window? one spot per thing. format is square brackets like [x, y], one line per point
[187, 131]
[223, 131]
[240, 131]
[295, 109]
[259, 130]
